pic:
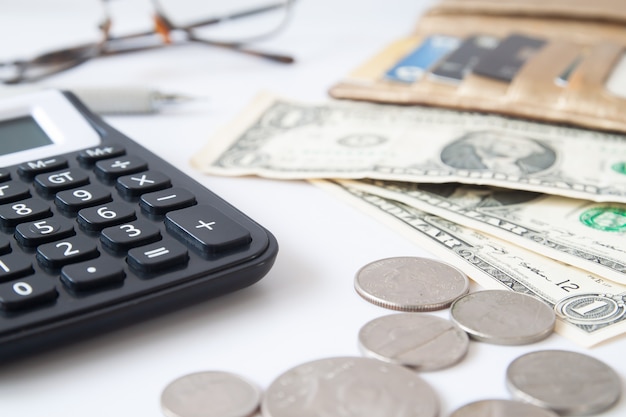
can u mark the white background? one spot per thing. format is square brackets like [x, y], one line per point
[306, 307]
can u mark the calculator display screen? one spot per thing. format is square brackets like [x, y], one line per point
[20, 134]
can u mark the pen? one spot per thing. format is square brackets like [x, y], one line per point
[116, 100]
[128, 100]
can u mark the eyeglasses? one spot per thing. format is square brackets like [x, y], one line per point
[38, 31]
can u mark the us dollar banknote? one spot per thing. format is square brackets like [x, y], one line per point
[590, 309]
[283, 139]
[585, 234]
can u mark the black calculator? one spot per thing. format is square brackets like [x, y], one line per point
[98, 232]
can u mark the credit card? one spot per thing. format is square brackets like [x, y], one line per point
[616, 83]
[413, 66]
[460, 62]
[504, 61]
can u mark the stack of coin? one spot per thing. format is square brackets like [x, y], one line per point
[386, 382]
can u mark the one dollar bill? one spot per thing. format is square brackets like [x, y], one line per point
[588, 235]
[282, 139]
[590, 309]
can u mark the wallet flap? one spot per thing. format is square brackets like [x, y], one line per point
[607, 10]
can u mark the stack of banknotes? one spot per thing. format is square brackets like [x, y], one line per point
[535, 208]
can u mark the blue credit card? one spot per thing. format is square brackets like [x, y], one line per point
[413, 66]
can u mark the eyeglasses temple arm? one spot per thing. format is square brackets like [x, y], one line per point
[234, 16]
[284, 59]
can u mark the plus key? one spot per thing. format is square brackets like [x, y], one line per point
[208, 229]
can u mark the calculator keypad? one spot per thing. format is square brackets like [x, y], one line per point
[102, 224]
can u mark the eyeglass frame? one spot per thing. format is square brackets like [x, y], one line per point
[163, 28]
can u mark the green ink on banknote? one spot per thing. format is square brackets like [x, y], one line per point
[605, 218]
[619, 167]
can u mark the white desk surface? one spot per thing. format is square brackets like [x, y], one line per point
[306, 307]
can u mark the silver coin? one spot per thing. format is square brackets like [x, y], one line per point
[503, 317]
[210, 394]
[349, 386]
[420, 341]
[568, 383]
[410, 283]
[501, 408]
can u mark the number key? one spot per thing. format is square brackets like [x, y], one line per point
[15, 265]
[74, 200]
[43, 231]
[97, 218]
[27, 292]
[74, 249]
[128, 235]
[23, 211]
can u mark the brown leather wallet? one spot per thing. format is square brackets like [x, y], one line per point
[591, 33]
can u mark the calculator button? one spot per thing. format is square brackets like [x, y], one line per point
[74, 200]
[92, 273]
[5, 175]
[23, 211]
[128, 235]
[206, 228]
[160, 202]
[43, 231]
[67, 251]
[32, 168]
[13, 191]
[5, 245]
[143, 182]
[157, 256]
[97, 218]
[54, 182]
[111, 169]
[15, 265]
[27, 293]
[92, 155]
